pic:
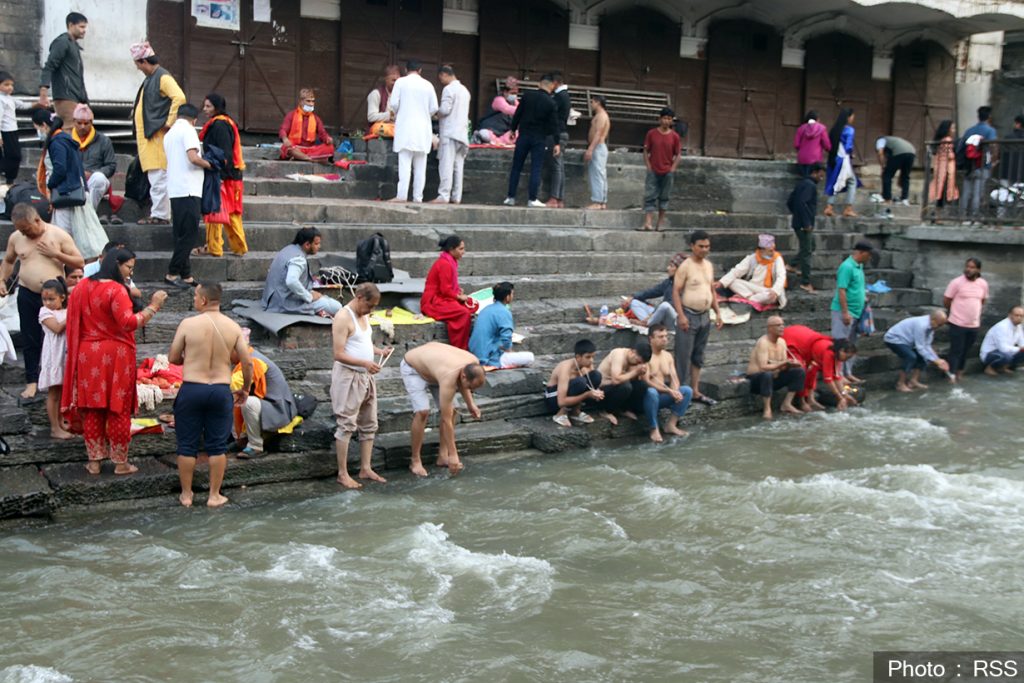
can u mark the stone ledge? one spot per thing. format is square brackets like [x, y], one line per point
[24, 492]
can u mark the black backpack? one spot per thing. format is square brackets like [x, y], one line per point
[136, 182]
[373, 259]
[26, 193]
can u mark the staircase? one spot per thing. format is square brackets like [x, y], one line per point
[559, 261]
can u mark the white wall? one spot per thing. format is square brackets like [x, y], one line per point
[974, 86]
[113, 26]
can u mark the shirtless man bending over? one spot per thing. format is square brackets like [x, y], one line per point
[624, 373]
[44, 251]
[443, 371]
[208, 344]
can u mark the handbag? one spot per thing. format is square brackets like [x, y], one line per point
[67, 200]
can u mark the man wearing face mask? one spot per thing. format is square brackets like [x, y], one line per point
[964, 298]
[303, 135]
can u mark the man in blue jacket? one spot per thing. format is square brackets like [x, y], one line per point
[491, 340]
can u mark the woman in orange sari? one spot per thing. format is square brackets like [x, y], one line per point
[99, 376]
[942, 189]
[443, 298]
[221, 131]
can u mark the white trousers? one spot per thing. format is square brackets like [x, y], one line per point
[252, 410]
[63, 218]
[416, 163]
[516, 359]
[451, 156]
[158, 194]
[97, 185]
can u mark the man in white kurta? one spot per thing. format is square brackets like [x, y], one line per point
[760, 277]
[414, 102]
[453, 120]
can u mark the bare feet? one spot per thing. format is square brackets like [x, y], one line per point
[766, 415]
[991, 371]
[674, 430]
[808, 288]
[608, 416]
[656, 435]
[398, 200]
[185, 499]
[61, 434]
[372, 476]
[455, 467]
[918, 385]
[856, 380]
[125, 468]
[629, 414]
[592, 207]
[215, 501]
[348, 482]
[438, 201]
[30, 391]
[93, 467]
[1007, 370]
[418, 469]
[792, 410]
[903, 388]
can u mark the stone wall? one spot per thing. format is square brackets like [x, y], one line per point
[1008, 86]
[19, 43]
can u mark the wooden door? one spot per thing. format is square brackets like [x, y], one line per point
[525, 39]
[639, 51]
[376, 33]
[254, 68]
[923, 91]
[744, 71]
[837, 75]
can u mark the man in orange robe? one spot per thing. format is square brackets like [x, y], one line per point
[303, 135]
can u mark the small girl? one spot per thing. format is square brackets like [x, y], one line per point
[53, 318]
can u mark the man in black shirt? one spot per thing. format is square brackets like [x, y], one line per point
[562, 106]
[803, 204]
[536, 121]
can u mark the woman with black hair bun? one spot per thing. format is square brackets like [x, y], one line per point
[443, 299]
[60, 173]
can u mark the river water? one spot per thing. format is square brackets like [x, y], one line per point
[750, 552]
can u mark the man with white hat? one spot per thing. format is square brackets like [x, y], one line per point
[759, 277]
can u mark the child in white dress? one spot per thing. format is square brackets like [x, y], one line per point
[53, 317]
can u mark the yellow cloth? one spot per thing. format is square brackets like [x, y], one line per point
[236, 236]
[290, 427]
[398, 316]
[259, 378]
[82, 144]
[151, 150]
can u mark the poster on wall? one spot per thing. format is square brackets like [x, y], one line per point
[261, 10]
[224, 14]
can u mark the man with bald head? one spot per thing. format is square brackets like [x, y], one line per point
[44, 251]
[1002, 350]
[770, 369]
[911, 340]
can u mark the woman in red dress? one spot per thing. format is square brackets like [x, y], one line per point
[99, 377]
[443, 299]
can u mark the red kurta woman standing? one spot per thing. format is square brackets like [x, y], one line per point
[443, 298]
[99, 377]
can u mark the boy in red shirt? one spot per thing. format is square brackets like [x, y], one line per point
[662, 148]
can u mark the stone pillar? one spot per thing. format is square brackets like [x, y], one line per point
[19, 43]
[979, 57]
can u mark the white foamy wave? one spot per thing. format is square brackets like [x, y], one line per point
[961, 395]
[33, 674]
[879, 428]
[513, 579]
[658, 494]
[305, 562]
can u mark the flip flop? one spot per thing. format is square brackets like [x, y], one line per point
[561, 420]
[176, 282]
[706, 400]
[582, 418]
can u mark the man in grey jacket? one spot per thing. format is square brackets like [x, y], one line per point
[63, 71]
[97, 153]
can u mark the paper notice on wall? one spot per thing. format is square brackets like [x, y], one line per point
[261, 10]
[224, 14]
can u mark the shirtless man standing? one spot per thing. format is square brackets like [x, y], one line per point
[624, 372]
[693, 294]
[663, 388]
[441, 370]
[353, 385]
[208, 344]
[597, 153]
[44, 251]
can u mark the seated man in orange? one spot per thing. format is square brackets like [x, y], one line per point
[303, 135]
[819, 353]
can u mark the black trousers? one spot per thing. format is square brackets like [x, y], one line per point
[10, 156]
[765, 384]
[961, 339]
[626, 396]
[29, 303]
[186, 213]
[902, 163]
[577, 386]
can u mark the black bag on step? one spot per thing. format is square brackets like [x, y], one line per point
[26, 193]
[373, 259]
[136, 182]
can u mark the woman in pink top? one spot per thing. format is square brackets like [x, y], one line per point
[811, 143]
[965, 296]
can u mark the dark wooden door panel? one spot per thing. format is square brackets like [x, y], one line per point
[923, 91]
[837, 75]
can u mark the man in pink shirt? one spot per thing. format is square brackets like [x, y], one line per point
[964, 298]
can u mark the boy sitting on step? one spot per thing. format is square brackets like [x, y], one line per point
[574, 382]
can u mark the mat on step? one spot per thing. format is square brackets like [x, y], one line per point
[274, 322]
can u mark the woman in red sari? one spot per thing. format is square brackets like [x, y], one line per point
[443, 299]
[99, 377]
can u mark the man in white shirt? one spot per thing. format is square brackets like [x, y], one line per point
[1002, 350]
[377, 111]
[453, 120]
[185, 166]
[414, 102]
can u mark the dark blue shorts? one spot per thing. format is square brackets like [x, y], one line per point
[203, 411]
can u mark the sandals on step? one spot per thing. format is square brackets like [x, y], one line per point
[582, 418]
[561, 420]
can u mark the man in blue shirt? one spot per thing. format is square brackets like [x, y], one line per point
[911, 340]
[491, 340]
[850, 300]
[974, 180]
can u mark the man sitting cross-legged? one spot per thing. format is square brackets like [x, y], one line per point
[759, 277]
[663, 389]
[443, 371]
[770, 369]
[574, 382]
[624, 373]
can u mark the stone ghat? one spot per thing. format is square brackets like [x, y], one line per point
[559, 260]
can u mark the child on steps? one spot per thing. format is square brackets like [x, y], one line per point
[53, 318]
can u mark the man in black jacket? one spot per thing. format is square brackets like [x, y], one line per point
[536, 121]
[803, 204]
[562, 106]
[63, 70]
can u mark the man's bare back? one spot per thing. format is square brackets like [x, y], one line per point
[209, 344]
[439, 363]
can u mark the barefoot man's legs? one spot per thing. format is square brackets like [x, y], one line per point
[203, 410]
[354, 401]
[419, 391]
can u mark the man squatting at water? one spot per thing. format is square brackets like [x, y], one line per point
[354, 383]
[443, 371]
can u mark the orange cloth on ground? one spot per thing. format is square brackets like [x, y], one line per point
[770, 262]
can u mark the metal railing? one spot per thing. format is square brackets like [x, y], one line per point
[990, 191]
